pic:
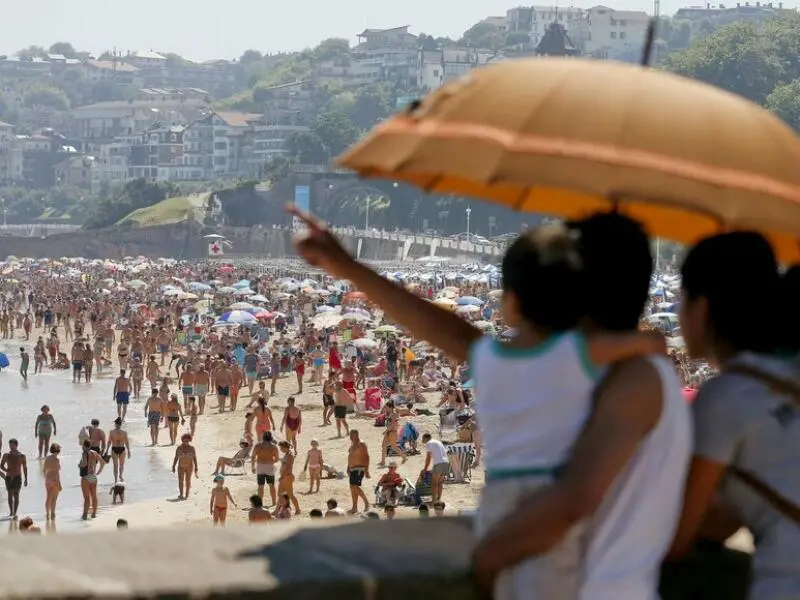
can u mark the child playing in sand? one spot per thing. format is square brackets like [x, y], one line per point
[313, 465]
[220, 495]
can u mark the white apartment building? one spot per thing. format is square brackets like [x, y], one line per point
[602, 32]
[534, 20]
[436, 67]
[348, 70]
[11, 154]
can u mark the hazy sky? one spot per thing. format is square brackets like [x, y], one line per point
[206, 29]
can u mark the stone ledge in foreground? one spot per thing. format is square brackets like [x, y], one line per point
[370, 560]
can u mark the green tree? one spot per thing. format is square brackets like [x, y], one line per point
[372, 103]
[251, 56]
[331, 48]
[64, 48]
[784, 101]
[136, 194]
[483, 35]
[738, 57]
[45, 95]
[336, 132]
[32, 52]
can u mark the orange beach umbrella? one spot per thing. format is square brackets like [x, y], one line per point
[569, 137]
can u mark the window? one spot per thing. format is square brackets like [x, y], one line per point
[622, 23]
[436, 72]
[622, 35]
[613, 35]
[612, 21]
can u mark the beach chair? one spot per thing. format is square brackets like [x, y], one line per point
[424, 488]
[406, 495]
[239, 460]
[447, 425]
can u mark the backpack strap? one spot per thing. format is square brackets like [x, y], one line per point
[778, 501]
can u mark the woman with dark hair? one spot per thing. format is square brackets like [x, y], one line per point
[747, 439]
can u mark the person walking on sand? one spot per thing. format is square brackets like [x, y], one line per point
[220, 495]
[314, 462]
[174, 416]
[154, 413]
[286, 481]
[343, 400]
[120, 448]
[15, 467]
[185, 462]
[137, 376]
[292, 421]
[262, 463]
[357, 470]
[122, 394]
[202, 381]
[43, 429]
[25, 361]
[89, 467]
[51, 469]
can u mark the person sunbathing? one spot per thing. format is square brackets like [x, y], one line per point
[235, 460]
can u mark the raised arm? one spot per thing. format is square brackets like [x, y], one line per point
[424, 319]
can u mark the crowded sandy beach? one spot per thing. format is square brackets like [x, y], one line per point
[299, 356]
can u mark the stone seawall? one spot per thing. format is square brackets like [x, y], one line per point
[185, 241]
[369, 560]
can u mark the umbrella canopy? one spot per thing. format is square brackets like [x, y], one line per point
[570, 137]
[236, 317]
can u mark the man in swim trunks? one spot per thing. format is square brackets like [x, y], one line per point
[77, 361]
[262, 462]
[223, 378]
[251, 368]
[343, 400]
[14, 466]
[97, 437]
[122, 394]
[202, 380]
[120, 447]
[357, 469]
[187, 387]
[163, 341]
[153, 412]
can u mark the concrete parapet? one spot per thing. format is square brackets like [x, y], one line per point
[370, 560]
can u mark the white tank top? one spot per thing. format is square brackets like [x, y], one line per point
[633, 528]
[531, 403]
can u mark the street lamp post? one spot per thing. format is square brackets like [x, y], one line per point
[468, 211]
[366, 214]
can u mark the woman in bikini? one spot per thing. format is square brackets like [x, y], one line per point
[89, 467]
[264, 420]
[122, 354]
[292, 420]
[51, 468]
[286, 480]
[44, 429]
[220, 495]
[174, 416]
[120, 448]
[390, 435]
[327, 400]
[314, 462]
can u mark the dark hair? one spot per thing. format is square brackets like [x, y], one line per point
[423, 510]
[122, 523]
[332, 503]
[789, 303]
[737, 274]
[256, 501]
[547, 259]
[315, 513]
[616, 255]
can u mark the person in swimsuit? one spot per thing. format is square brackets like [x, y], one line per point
[187, 386]
[120, 448]
[390, 434]
[220, 495]
[88, 362]
[257, 513]
[77, 362]
[223, 378]
[328, 389]
[97, 437]
[237, 380]
[14, 466]
[122, 394]
[122, 354]
[292, 421]
[185, 462]
[44, 429]
[201, 382]
[300, 370]
[357, 469]
[251, 368]
[51, 468]
[191, 412]
[286, 480]
[264, 420]
[174, 416]
[137, 376]
[89, 467]
[262, 463]
[153, 409]
[283, 510]
[314, 462]
[343, 400]
[318, 363]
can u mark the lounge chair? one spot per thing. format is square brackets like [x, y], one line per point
[406, 495]
[236, 462]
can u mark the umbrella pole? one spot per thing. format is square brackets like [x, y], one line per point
[649, 40]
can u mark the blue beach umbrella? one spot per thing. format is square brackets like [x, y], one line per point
[4, 363]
